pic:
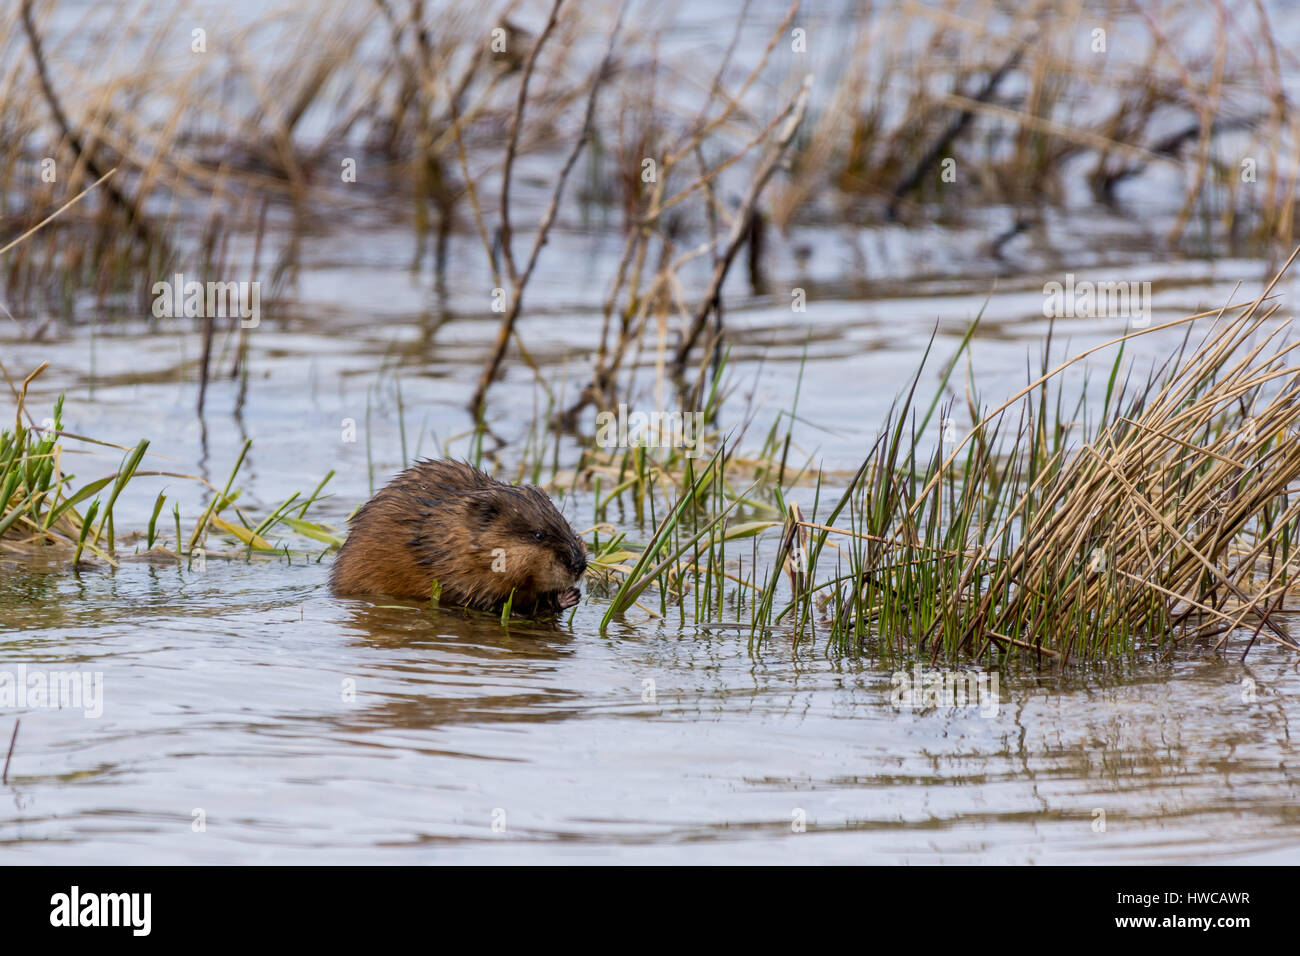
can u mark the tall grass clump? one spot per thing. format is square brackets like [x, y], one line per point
[45, 511]
[1158, 513]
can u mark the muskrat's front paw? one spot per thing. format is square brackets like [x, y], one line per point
[568, 599]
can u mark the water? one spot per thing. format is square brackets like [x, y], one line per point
[224, 689]
[224, 694]
[249, 716]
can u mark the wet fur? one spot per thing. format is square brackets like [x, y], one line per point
[441, 521]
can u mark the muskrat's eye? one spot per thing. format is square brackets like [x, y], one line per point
[538, 536]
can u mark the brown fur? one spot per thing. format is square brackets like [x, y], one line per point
[444, 521]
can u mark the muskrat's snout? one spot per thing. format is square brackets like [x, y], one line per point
[575, 562]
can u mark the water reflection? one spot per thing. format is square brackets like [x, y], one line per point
[649, 743]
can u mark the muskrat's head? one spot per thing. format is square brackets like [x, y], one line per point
[525, 540]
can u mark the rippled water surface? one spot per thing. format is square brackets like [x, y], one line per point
[308, 728]
[249, 716]
[223, 693]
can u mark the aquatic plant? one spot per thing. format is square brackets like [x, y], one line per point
[45, 510]
[1166, 517]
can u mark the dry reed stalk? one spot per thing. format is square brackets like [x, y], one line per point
[519, 279]
[791, 117]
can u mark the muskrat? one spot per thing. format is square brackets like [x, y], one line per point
[478, 538]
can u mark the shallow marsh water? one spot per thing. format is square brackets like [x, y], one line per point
[224, 689]
[223, 694]
[303, 728]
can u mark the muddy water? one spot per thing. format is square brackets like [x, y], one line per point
[249, 716]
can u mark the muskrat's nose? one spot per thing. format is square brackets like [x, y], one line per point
[579, 562]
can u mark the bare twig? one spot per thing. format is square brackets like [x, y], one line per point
[10, 756]
[512, 141]
[544, 228]
[740, 226]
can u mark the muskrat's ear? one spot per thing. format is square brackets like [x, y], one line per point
[484, 509]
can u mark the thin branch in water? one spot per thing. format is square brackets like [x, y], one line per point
[10, 756]
[543, 230]
[512, 141]
[951, 132]
[128, 208]
[740, 226]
